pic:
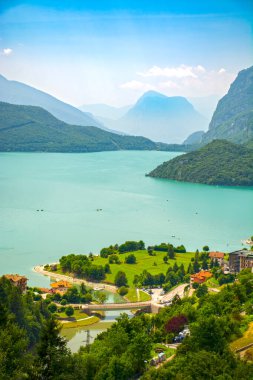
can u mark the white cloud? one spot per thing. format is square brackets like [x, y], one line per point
[7, 51]
[221, 71]
[136, 85]
[182, 71]
[184, 80]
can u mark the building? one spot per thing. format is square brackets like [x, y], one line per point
[239, 260]
[201, 277]
[17, 280]
[60, 286]
[219, 256]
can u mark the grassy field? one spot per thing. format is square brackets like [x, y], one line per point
[78, 314]
[246, 339]
[153, 264]
[132, 296]
[80, 323]
[77, 320]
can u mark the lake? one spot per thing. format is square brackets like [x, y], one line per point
[53, 204]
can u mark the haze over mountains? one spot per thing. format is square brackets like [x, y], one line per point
[155, 116]
[33, 129]
[161, 118]
[20, 93]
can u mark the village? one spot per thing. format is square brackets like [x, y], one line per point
[228, 265]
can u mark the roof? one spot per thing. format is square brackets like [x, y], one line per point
[203, 275]
[61, 284]
[216, 255]
[242, 252]
[15, 277]
[45, 290]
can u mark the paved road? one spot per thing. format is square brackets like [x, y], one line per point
[159, 299]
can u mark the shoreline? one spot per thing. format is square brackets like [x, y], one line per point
[40, 269]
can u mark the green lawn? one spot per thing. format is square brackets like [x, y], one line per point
[132, 295]
[78, 314]
[77, 320]
[144, 261]
[80, 323]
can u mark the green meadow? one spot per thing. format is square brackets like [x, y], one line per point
[153, 264]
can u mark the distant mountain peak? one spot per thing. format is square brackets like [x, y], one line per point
[20, 93]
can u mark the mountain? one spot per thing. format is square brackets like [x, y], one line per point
[194, 138]
[161, 118]
[30, 128]
[217, 163]
[20, 93]
[103, 111]
[233, 117]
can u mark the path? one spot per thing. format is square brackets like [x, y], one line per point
[93, 285]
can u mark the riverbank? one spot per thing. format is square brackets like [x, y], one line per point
[94, 285]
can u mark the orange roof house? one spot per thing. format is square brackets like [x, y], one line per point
[17, 280]
[201, 277]
[60, 286]
[216, 255]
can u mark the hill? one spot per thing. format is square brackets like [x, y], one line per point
[217, 163]
[233, 117]
[160, 118]
[20, 93]
[194, 138]
[29, 128]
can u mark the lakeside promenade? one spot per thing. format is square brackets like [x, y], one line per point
[94, 285]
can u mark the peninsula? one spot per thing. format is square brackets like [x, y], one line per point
[217, 163]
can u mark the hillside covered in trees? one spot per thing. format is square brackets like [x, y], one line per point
[33, 129]
[217, 163]
[31, 346]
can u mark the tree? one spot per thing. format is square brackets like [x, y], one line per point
[204, 264]
[150, 251]
[176, 324]
[120, 279]
[205, 248]
[52, 307]
[123, 290]
[83, 289]
[52, 351]
[202, 291]
[69, 311]
[107, 268]
[165, 259]
[196, 266]
[130, 259]
[171, 252]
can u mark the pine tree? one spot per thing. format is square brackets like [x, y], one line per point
[52, 350]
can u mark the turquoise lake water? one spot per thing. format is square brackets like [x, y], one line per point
[70, 188]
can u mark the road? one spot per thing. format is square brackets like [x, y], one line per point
[159, 299]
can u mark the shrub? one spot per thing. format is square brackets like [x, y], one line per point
[123, 290]
[69, 311]
[52, 307]
[130, 259]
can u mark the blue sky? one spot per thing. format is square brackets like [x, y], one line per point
[113, 51]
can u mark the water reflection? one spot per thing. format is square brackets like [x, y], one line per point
[81, 336]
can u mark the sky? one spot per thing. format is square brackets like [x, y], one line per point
[85, 52]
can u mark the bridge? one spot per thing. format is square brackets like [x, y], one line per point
[117, 306]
